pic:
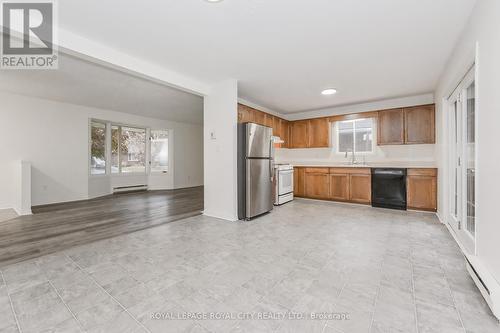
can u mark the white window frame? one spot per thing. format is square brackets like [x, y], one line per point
[168, 153]
[146, 147]
[108, 173]
[107, 140]
[336, 133]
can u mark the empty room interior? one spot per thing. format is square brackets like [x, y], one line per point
[249, 166]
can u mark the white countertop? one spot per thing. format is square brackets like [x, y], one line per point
[389, 164]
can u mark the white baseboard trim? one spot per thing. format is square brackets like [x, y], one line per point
[221, 216]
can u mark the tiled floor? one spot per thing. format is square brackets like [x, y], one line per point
[367, 270]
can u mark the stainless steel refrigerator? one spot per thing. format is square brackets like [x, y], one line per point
[255, 170]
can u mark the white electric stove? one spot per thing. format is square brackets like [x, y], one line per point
[284, 184]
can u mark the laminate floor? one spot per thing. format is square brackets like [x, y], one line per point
[307, 267]
[58, 227]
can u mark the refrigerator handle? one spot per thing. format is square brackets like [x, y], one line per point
[271, 159]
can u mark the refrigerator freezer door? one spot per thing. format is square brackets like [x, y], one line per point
[259, 196]
[258, 141]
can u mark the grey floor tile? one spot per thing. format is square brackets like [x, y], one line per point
[102, 313]
[44, 318]
[372, 263]
[471, 302]
[67, 326]
[134, 295]
[437, 318]
[479, 323]
[9, 329]
[7, 319]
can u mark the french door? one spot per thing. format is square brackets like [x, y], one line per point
[462, 120]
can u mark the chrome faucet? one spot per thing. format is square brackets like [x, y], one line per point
[353, 156]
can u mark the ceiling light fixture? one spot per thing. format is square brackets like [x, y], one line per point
[329, 91]
[213, 0]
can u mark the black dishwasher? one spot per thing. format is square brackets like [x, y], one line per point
[389, 188]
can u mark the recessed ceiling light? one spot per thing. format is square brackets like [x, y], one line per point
[329, 91]
[213, 0]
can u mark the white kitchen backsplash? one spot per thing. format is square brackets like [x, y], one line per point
[397, 153]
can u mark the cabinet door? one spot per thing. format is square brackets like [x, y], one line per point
[317, 185]
[422, 192]
[360, 188]
[299, 134]
[259, 117]
[420, 124]
[339, 187]
[298, 182]
[319, 133]
[391, 127]
[277, 127]
[245, 114]
[268, 120]
[285, 133]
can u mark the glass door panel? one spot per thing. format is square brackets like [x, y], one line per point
[470, 159]
[462, 145]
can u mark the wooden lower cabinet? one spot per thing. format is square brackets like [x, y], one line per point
[317, 182]
[339, 187]
[421, 188]
[360, 188]
[298, 182]
[337, 184]
[354, 185]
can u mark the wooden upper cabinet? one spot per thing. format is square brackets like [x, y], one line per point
[285, 133]
[420, 124]
[299, 134]
[339, 187]
[245, 114]
[317, 183]
[360, 188]
[260, 118]
[268, 120]
[299, 182]
[390, 127]
[319, 133]
[277, 126]
[421, 188]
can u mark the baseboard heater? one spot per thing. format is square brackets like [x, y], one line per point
[488, 287]
[133, 188]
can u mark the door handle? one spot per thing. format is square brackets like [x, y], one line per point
[271, 159]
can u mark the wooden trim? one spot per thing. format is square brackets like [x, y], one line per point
[353, 116]
[432, 172]
[356, 171]
[317, 170]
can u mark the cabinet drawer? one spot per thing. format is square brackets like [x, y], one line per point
[357, 171]
[422, 172]
[317, 170]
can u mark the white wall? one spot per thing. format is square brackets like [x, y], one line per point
[220, 133]
[53, 136]
[483, 31]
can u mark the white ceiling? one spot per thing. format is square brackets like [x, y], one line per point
[84, 83]
[284, 52]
